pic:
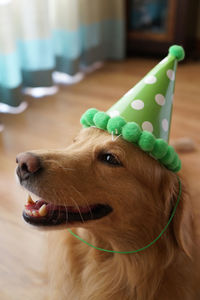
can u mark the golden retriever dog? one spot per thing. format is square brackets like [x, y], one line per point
[116, 197]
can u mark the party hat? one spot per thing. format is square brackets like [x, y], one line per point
[143, 115]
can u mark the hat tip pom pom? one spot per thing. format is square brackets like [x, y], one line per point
[177, 51]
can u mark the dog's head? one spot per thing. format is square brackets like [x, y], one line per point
[104, 184]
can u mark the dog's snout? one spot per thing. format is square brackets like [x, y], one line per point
[28, 164]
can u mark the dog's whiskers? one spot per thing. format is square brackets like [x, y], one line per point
[87, 204]
[57, 196]
[78, 209]
[66, 209]
[67, 214]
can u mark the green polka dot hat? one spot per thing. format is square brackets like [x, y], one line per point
[143, 115]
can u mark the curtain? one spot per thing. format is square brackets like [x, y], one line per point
[38, 37]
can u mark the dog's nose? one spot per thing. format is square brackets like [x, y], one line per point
[28, 164]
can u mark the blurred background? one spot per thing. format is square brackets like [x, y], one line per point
[61, 57]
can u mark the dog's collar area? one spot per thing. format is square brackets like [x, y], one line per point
[42, 213]
[148, 245]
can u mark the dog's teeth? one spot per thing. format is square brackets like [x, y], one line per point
[30, 200]
[43, 210]
[34, 212]
[28, 212]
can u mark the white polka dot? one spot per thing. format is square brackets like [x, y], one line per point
[164, 60]
[165, 125]
[160, 99]
[171, 74]
[137, 104]
[129, 92]
[147, 126]
[114, 113]
[151, 79]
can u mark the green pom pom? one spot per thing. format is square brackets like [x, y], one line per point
[147, 141]
[131, 132]
[177, 51]
[159, 149]
[101, 120]
[178, 167]
[115, 125]
[89, 115]
[84, 122]
[169, 156]
[175, 163]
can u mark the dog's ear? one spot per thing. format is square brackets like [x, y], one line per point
[183, 221]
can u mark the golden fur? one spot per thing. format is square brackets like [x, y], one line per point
[142, 194]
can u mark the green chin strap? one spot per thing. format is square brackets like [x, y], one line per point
[131, 132]
[145, 247]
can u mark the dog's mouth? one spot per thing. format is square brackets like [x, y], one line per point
[42, 213]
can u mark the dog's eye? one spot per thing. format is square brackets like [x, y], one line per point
[110, 159]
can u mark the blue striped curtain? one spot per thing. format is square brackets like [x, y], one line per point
[38, 37]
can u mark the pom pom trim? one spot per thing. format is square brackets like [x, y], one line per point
[145, 140]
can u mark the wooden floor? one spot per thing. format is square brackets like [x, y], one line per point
[52, 122]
